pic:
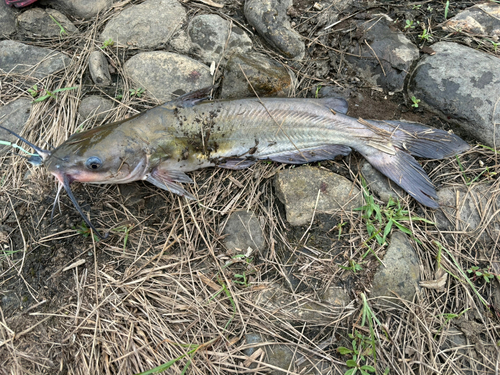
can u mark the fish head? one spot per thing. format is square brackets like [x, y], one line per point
[100, 155]
[94, 157]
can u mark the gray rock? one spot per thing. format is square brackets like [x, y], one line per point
[37, 22]
[252, 338]
[95, 106]
[14, 115]
[454, 338]
[209, 35]
[380, 185]
[269, 17]
[335, 296]
[298, 189]
[267, 77]
[31, 61]
[99, 69]
[401, 273]
[147, 25]
[281, 303]
[166, 75]
[181, 42]
[80, 8]
[243, 231]
[461, 84]
[7, 20]
[469, 210]
[389, 46]
[277, 355]
[480, 19]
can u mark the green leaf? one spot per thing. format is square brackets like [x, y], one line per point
[351, 363]
[368, 368]
[343, 350]
[351, 371]
[388, 228]
[41, 98]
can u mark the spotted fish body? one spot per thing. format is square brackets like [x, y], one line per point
[163, 143]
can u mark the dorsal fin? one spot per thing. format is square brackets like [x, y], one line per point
[191, 98]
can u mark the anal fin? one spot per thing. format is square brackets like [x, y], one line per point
[404, 170]
[325, 152]
[236, 163]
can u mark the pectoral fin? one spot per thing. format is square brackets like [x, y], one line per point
[166, 180]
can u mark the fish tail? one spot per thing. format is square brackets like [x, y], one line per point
[393, 148]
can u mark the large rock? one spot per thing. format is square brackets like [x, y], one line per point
[481, 19]
[31, 61]
[254, 71]
[99, 69]
[36, 22]
[387, 58]
[400, 273]
[148, 25]
[80, 8]
[95, 106]
[7, 20]
[461, 84]
[269, 17]
[14, 115]
[298, 189]
[279, 302]
[209, 35]
[243, 231]
[472, 210]
[165, 75]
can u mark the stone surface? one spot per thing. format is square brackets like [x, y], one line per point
[277, 355]
[147, 25]
[243, 231]
[335, 296]
[469, 209]
[269, 17]
[7, 20]
[180, 42]
[79, 8]
[387, 46]
[37, 22]
[28, 60]
[267, 77]
[294, 307]
[209, 35]
[298, 189]
[94, 107]
[461, 84]
[99, 69]
[166, 75]
[481, 19]
[401, 273]
[14, 115]
[380, 185]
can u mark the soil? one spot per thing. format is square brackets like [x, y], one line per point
[78, 304]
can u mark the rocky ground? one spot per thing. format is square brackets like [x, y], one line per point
[274, 269]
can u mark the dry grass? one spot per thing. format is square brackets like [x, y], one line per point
[76, 306]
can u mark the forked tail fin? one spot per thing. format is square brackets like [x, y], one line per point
[407, 139]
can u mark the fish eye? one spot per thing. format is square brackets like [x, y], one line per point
[93, 163]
